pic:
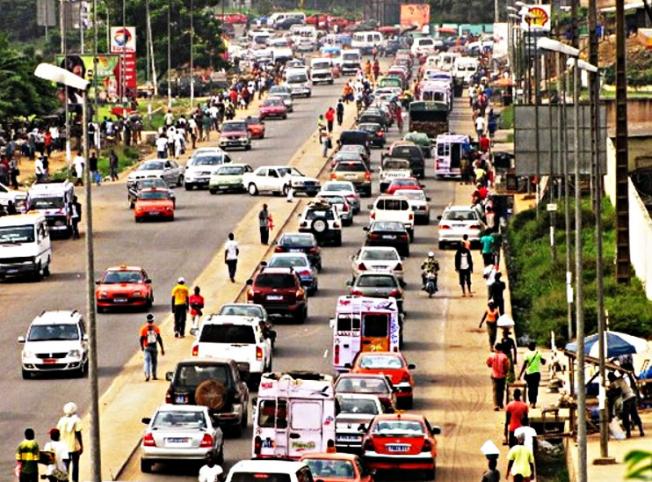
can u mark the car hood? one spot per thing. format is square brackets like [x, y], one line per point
[59, 346]
[393, 374]
[235, 134]
[302, 179]
[353, 419]
[145, 174]
[152, 203]
[120, 287]
[272, 108]
[201, 169]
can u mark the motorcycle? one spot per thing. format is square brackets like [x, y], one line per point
[430, 284]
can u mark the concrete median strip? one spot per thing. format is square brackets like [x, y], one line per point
[129, 398]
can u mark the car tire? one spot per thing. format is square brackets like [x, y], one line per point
[284, 191]
[150, 302]
[285, 117]
[146, 466]
[188, 187]
[248, 147]
[319, 226]
[27, 375]
[46, 269]
[301, 316]
[430, 474]
[252, 189]
[411, 233]
[212, 191]
[337, 241]
[347, 222]
[442, 245]
[237, 430]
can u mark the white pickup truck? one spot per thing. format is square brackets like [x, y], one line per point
[393, 208]
[239, 338]
[278, 180]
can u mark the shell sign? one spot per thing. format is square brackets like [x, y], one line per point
[536, 18]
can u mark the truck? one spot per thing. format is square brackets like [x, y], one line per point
[429, 117]
[321, 70]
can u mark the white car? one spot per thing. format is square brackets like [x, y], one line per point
[345, 188]
[56, 341]
[202, 165]
[298, 82]
[300, 263]
[19, 198]
[393, 208]
[456, 221]
[419, 202]
[383, 259]
[166, 169]
[260, 470]
[344, 209]
[278, 180]
[393, 168]
[180, 433]
[423, 46]
[355, 410]
[238, 338]
[323, 221]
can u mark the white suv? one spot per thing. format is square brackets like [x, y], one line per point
[323, 221]
[239, 338]
[393, 208]
[55, 341]
[457, 221]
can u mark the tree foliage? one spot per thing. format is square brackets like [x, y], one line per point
[19, 19]
[639, 465]
[454, 11]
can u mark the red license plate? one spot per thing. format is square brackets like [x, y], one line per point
[49, 361]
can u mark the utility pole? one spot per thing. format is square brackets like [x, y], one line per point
[95, 54]
[622, 171]
[192, 58]
[123, 59]
[551, 176]
[170, 57]
[537, 101]
[63, 11]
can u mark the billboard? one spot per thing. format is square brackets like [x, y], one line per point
[536, 18]
[123, 42]
[501, 39]
[415, 15]
[107, 74]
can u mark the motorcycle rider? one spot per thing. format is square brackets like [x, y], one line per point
[429, 265]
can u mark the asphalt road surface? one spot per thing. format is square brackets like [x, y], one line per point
[165, 250]
[309, 346]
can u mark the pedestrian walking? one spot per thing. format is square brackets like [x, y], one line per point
[211, 472]
[231, 252]
[263, 224]
[39, 169]
[161, 146]
[149, 340]
[27, 457]
[196, 301]
[520, 461]
[464, 268]
[70, 428]
[532, 370]
[490, 316]
[179, 302]
[56, 471]
[629, 404]
[528, 433]
[492, 474]
[325, 141]
[330, 119]
[113, 165]
[509, 349]
[75, 216]
[339, 111]
[480, 125]
[486, 243]
[515, 412]
[499, 364]
[92, 165]
[497, 292]
[78, 168]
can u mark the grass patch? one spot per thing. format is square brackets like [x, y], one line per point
[507, 117]
[127, 156]
[537, 282]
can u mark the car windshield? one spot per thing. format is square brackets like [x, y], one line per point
[398, 427]
[350, 167]
[231, 171]
[358, 405]
[319, 213]
[298, 240]
[291, 171]
[152, 195]
[369, 127]
[47, 203]
[405, 151]
[259, 477]
[277, 102]
[288, 262]
[376, 281]
[233, 127]
[321, 65]
[278, 89]
[361, 385]
[242, 310]
[380, 361]
[387, 226]
[179, 419]
[218, 333]
[414, 195]
[379, 255]
[350, 56]
[156, 182]
[332, 199]
[337, 187]
[152, 166]
[193, 375]
[458, 215]
[58, 332]
[396, 164]
[17, 234]
[347, 156]
[252, 120]
[124, 276]
[297, 78]
[207, 160]
[404, 182]
[275, 280]
[339, 469]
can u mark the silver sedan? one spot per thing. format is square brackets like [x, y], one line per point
[180, 433]
[377, 259]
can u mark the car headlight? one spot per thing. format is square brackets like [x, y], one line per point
[74, 353]
[138, 293]
[104, 294]
[28, 354]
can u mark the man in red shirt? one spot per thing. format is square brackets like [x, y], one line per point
[484, 143]
[499, 364]
[330, 118]
[515, 413]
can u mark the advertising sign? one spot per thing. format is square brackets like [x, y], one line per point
[123, 42]
[415, 14]
[500, 37]
[536, 18]
[107, 75]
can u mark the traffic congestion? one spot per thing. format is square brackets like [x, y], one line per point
[320, 367]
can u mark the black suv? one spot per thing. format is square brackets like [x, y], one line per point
[215, 383]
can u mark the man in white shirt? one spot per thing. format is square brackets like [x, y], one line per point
[479, 125]
[231, 252]
[39, 169]
[161, 147]
[528, 433]
[211, 472]
[58, 468]
[78, 165]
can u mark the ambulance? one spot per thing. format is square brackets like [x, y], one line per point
[364, 324]
[294, 414]
[449, 152]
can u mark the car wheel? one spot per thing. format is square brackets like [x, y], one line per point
[248, 147]
[411, 233]
[188, 187]
[145, 466]
[46, 269]
[252, 189]
[131, 204]
[237, 430]
[430, 474]
[150, 302]
[285, 190]
[285, 116]
[442, 245]
[38, 273]
[27, 375]
[302, 315]
[212, 191]
[347, 222]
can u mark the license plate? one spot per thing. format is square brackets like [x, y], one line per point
[49, 361]
[296, 250]
[348, 438]
[181, 399]
[153, 213]
[389, 236]
[350, 176]
[398, 448]
[177, 440]
[12, 270]
[274, 297]
[119, 300]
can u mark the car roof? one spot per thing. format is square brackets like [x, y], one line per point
[228, 320]
[402, 143]
[261, 465]
[362, 375]
[206, 361]
[124, 267]
[390, 196]
[275, 270]
[22, 219]
[303, 235]
[234, 164]
[378, 248]
[400, 416]
[331, 183]
[458, 208]
[57, 317]
[169, 407]
[289, 255]
[330, 456]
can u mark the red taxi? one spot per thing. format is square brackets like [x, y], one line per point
[401, 441]
[336, 467]
[124, 286]
[393, 365]
[273, 107]
[153, 203]
[406, 183]
[256, 127]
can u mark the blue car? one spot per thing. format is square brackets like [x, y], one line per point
[301, 265]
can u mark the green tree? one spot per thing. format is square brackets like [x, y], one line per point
[19, 18]
[639, 465]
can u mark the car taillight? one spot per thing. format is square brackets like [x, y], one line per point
[279, 249]
[314, 250]
[398, 267]
[394, 293]
[372, 215]
[356, 293]
[444, 226]
[148, 440]
[195, 350]
[367, 176]
[405, 378]
[411, 216]
[304, 224]
[258, 443]
[380, 134]
[368, 445]
[474, 226]
[300, 293]
[374, 236]
[333, 175]
[336, 225]
[259, 353]
[206, 441]
[427, 446]
[250, 294]
[362, 267]
[336, 355]
[403, 236]
[345, 208]
[168, 396]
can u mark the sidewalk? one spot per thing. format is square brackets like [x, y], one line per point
[129, 398]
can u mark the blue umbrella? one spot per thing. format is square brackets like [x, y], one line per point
[617, 344]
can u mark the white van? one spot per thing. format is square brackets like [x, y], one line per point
[25, 247]
[464, 68]
[53, 199]
[449, 151]
[446, 60]
[423, 46]
[366, 41]
[294, 414]
[321, 70]
[350, 61]
[269, 471]
[393, 208]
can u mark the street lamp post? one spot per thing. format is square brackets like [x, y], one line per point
[58, 75]
[192, 58]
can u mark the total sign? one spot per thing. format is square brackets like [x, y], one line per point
[536, 18]
[123, 39]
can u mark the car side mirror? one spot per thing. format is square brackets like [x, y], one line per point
[348, 366]
[411, 366]
[370, 206]
[349, 283]
[168, 376]
[435, 430]
[85, 338]
[148, 281]
[21, 339]
[250, 282]
[97, 282]
[428, 198]
[364, 228]
[439, 218]
[146, 420]
[166, 168]
[331, 323]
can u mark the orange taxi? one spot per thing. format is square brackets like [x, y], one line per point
[154, 203]
[393, 365]
[124, 287]
[256, 127]
[336, 467]
[401, 441]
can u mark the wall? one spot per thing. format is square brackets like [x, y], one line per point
[610, 176]
[640, 239]
[638, 111]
